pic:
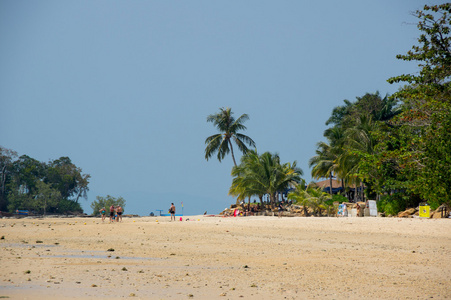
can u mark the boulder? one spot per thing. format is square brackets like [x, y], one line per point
[443, 211]
[408, 212]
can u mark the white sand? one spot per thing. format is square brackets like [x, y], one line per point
[226, 258]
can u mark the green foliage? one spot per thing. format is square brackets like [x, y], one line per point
[263, 174]
[7, 157]
[338, 198]
[106, 202]
[400, 145]
[434, 182]
[388, 205]
[68, 206]
[64, 176]
[41, 187]
[314, 198]
[229, 128]
[45, 197]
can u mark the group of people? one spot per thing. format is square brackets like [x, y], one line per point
[115, 213]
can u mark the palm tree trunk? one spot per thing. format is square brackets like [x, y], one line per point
[363, 194]
[272, 198]
[231, 149]
[330, 182]
[343, 186]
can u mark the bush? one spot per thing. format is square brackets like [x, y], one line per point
[339, 198]
[65, 206]
[392, 204]
[106, 202]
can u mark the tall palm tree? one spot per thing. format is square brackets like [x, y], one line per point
[359, 139]
[324, 163]
[228, 128]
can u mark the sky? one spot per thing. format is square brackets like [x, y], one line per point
[123, 88]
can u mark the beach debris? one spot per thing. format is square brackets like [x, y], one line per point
[132, 295]
[190, 295]
[124, 269]
[245, 267]
[39, 242]
[93, 285]
[27, 272]
[2, 238]
[223, 294]
[111, 250]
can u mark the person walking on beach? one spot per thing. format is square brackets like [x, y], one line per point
[103, 213]
[172, 211]
[111, 213]
[119, 213]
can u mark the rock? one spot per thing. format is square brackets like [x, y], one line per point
[443, 211]
[407, 213]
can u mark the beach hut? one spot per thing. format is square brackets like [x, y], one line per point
[337, 187]
[325, 186]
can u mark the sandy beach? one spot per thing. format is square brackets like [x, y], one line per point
[226, 258]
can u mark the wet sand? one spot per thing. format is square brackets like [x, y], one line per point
[226, 258]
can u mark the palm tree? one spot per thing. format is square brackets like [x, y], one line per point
[259, 175]
[228, 128]
[300, 196]
[324, 163]
[246, 181]
[316, 199]
[359, 139]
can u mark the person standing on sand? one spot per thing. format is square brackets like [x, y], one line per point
[119, 213]
[280, 209]
[103, 213]
[172, 211]
[111, 213]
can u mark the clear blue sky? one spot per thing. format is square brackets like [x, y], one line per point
[124, 87]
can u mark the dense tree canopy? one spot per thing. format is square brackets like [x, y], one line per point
[106, 202]
[399, 146]
[29, 184]
[258, 175]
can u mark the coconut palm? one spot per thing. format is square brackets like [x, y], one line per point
[358, 142]
[316, 200]
[324, 163]
[246, 182]
[229, 131]
[263, 174]
[300, 196]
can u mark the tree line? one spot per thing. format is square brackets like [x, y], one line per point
[396, 148]
[28, 184]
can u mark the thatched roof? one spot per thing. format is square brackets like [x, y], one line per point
[336, 184]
